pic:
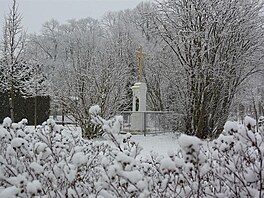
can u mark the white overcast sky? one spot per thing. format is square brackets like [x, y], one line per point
[37, 12]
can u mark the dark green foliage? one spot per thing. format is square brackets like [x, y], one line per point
[4, 106]
[24, 108]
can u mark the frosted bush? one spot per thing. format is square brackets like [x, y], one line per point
[52, 161]
[47, 161]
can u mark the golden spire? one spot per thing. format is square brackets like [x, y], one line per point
[140, 59]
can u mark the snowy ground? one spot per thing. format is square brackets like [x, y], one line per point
[160, 143]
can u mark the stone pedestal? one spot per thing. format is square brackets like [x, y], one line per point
[137, 122]
[137, 116]
[139, 93]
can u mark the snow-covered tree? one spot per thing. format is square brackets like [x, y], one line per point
[13, 65]
[123, 41]
[45, 48]
[36, 85]
[217, 44]
[94, 64]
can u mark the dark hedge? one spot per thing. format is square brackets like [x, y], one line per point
[24, 107]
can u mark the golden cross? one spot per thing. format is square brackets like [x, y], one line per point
[140, 59]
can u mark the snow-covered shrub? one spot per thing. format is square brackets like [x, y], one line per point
[54, 162]
[261, 124]
[47, 162]
[250, 123]
[230, 166]
[120, 172]
[237, 163]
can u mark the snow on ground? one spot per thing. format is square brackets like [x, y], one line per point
[160, 143]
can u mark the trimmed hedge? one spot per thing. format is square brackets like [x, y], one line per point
[24, 107]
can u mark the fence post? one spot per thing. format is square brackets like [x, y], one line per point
[144, 121]
[62, 117]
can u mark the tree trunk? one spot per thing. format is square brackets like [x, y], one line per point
[11, 102]
[35, 113]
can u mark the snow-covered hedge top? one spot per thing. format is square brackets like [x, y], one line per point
[54, 162]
